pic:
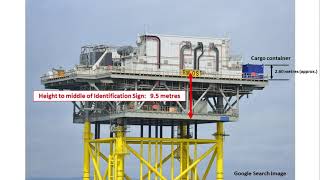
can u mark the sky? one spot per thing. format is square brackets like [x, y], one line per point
[262, 139]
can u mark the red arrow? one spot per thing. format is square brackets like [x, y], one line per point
[190, 95]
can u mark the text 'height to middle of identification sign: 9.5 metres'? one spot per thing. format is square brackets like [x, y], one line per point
[60, 96]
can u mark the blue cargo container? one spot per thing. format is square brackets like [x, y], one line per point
[249, 68]
[252, 71]
[224, 118]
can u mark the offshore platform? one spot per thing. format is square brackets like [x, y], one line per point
[158, 63]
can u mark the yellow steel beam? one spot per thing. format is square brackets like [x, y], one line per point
[115, 167]
[141, 164]
[168, 141]
[145, 162]
[160, 163]
[120, 153]
[172, 160]
[102, 140]
[109, 168]
[149, 160]
[183, 151]
[95, 164]
[103, 157]
[219, 138]
[97, 157]
[194, 157]
[195, 162]
[204, 177]
[180, 157]
[193, 172]
[165, 141]
[164, 160]
[188, 159]
[106, 159]
[86, 150]
[156, 159]
[106, 172]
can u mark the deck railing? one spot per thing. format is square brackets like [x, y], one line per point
[105, 70]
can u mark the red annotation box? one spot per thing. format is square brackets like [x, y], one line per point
[67, 96]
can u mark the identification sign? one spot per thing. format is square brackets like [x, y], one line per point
[195, 73]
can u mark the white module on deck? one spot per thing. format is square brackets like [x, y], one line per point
[147, 52]
[163, 55]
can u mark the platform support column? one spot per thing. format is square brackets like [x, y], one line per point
[97, 148]
[86, 153]
[120, 152]
[219, 138]
[183, 151]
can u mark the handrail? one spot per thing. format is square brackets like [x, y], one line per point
[162, 110]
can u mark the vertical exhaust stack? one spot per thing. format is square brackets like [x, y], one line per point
[156, 38]
[187, 45]
[213, 47]
[195, 59]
